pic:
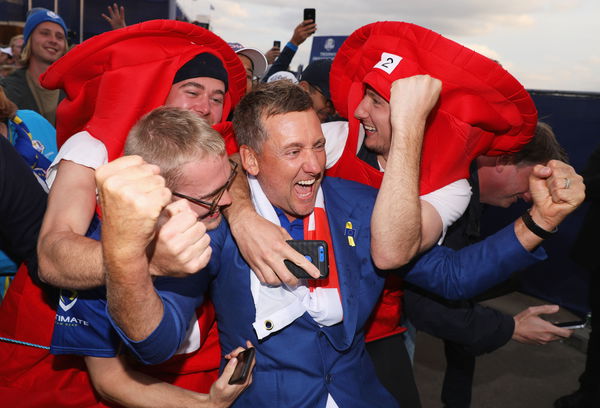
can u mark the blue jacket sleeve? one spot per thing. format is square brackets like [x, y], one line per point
[180, 297]
[178, 309]
[464, 273]
[283, 61]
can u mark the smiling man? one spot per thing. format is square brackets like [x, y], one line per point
[309, 340]
[95, 118]
[192, 160]
[45, 39]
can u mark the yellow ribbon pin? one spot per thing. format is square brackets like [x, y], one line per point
[350, 234]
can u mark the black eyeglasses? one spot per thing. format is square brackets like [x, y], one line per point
[214, 204]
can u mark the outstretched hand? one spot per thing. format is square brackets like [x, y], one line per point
[223, 394]
[302, 31]
[115, 17]
[272, 55]
[530, 328]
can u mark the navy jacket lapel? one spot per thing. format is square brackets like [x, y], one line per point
[340, 212]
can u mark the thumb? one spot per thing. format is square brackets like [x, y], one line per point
[229, 368]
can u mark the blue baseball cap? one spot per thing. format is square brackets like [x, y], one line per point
[38, 16]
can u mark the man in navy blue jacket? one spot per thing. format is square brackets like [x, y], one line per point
[309, 338]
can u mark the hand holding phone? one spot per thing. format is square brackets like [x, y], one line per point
[316, 253]
[242, 369]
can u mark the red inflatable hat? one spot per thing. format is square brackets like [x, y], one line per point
[113, 79]
[483, 110]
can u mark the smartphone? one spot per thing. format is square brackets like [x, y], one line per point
[313, 250]
[242, 369]
[575, 324]
[310, 14]
[276, 44]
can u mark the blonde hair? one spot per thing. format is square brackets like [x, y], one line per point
[171, 137]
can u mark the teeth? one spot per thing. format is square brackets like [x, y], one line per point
[369, 128]
[307, 182]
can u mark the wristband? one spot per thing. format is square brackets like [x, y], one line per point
[536, 229]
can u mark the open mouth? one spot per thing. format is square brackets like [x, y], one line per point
[304, 188]
[369, 129]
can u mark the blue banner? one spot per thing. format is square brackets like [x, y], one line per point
[326, 46]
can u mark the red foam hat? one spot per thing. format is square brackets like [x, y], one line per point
[483, 110]
[113, 79]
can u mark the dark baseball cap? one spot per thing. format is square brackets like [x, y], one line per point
[317, 74]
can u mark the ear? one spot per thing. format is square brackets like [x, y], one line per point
[304, 85]
[249, 160]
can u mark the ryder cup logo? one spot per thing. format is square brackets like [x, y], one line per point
[329, 44]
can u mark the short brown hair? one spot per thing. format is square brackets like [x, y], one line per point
[274, 98]
[171, 137]
[542, 148]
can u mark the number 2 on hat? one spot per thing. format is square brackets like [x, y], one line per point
[388, 62]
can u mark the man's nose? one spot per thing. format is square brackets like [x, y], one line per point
[202, 105]
[311, 163]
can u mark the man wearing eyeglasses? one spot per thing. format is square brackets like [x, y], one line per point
[210, 215]
[110, 82]
[191, 158]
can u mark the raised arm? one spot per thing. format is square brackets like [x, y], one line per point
[467, 272]
[132, 196]
[63, 247]
[302, 31]
[396, 222]
[67, 258]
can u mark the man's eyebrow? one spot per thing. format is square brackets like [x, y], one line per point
[191, 84]
[198, 85]
[371, 91]
[293, 144]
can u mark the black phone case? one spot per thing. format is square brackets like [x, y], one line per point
[242, 369]
[316, 252]
[310, 14]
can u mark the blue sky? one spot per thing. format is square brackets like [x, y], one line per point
[545, 44]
